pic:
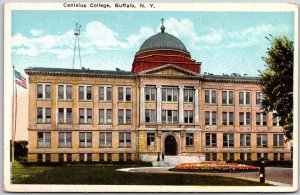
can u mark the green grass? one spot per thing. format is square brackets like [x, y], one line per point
[106, 174]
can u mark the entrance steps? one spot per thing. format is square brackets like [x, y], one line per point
[171, 161]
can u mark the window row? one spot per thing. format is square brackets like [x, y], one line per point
[85, 139]
[244, 118]
[85, 115]
[64, 92]
[84, 157]
[210, 97]
[245, 140]
[241, 156]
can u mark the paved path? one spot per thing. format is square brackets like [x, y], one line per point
[275, 174]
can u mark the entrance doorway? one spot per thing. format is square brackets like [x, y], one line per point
[170, 145]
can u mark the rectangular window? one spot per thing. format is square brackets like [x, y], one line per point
[109, 157]
[169, 94]
[169, 116]
[261, 119]
[262, 140]
[207, 118]
[189, 139]
[121, 157]
[150, 139]
[61, 158]
[43, 91]
[64, 92]
[231, 156]
[278, 140]
[105, 116]
[64, 115]
[228, 140]
[69, 157]
[48, 157]
[89, 157]
[124, 94]
[85, 115]
[150, 93]
[207, 157]
[65, 139]
[85, 93]
[188, 116]
[281, 156]
[227, 97]
[242, 156]
[128, 116]
[214, 156]
[85, 139]
[245, 118]
[210, 96]
[105, 139]
[188, 95]
[81, 157]
[43, 115]
[241, 118]
[43, 139]
[259, 98]
[210, 118]
[105, 93]
[230, 118]
[129, 157]
[224, 118]
[101, 157]
[150, 115]
[275, 120]
[125, 139]
[211, 139]
[244, 98]
[245, 140]
[225, 156]
[249, 156]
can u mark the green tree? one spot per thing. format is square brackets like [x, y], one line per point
[20, 150]
[277, 82]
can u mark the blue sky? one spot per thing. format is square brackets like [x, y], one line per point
[225, 42]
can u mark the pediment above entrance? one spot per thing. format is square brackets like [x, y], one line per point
[169, 69]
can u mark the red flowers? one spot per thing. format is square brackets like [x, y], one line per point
[215, 166]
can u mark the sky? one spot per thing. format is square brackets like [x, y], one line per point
[225, 42]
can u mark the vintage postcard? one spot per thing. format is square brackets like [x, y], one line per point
[151, 97]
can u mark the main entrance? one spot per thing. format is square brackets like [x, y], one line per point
[170, 145]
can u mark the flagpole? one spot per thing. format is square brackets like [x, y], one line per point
[14, 119]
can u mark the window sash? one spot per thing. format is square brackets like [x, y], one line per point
[150, 139]
[105, 139]
[85, 139]
[189, 139]
[44, 139]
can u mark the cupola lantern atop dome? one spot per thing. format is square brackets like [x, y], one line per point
[162, 28]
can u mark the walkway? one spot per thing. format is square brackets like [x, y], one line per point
[275, 175]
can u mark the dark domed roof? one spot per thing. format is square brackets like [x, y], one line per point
[162, 40]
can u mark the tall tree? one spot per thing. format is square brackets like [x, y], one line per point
[277, 82]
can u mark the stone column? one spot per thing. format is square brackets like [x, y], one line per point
[196, 104]
[158, 104]
[180, 111]
[142, 104]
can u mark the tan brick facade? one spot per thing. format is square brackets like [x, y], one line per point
[139, 131]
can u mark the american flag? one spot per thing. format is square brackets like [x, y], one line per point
[20, 79]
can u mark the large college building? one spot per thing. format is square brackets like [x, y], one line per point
[164, 104]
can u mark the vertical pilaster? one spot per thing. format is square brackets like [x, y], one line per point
[158, 104]
[180, 111]
[196, 104]
[142, 104]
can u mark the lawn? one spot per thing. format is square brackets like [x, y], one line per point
[107, 174]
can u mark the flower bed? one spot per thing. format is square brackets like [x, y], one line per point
[215, 166]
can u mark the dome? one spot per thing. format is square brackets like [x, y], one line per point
[162, 40]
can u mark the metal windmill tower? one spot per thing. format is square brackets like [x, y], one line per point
[77, 33]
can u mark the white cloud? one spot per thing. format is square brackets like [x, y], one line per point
[37, 32]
